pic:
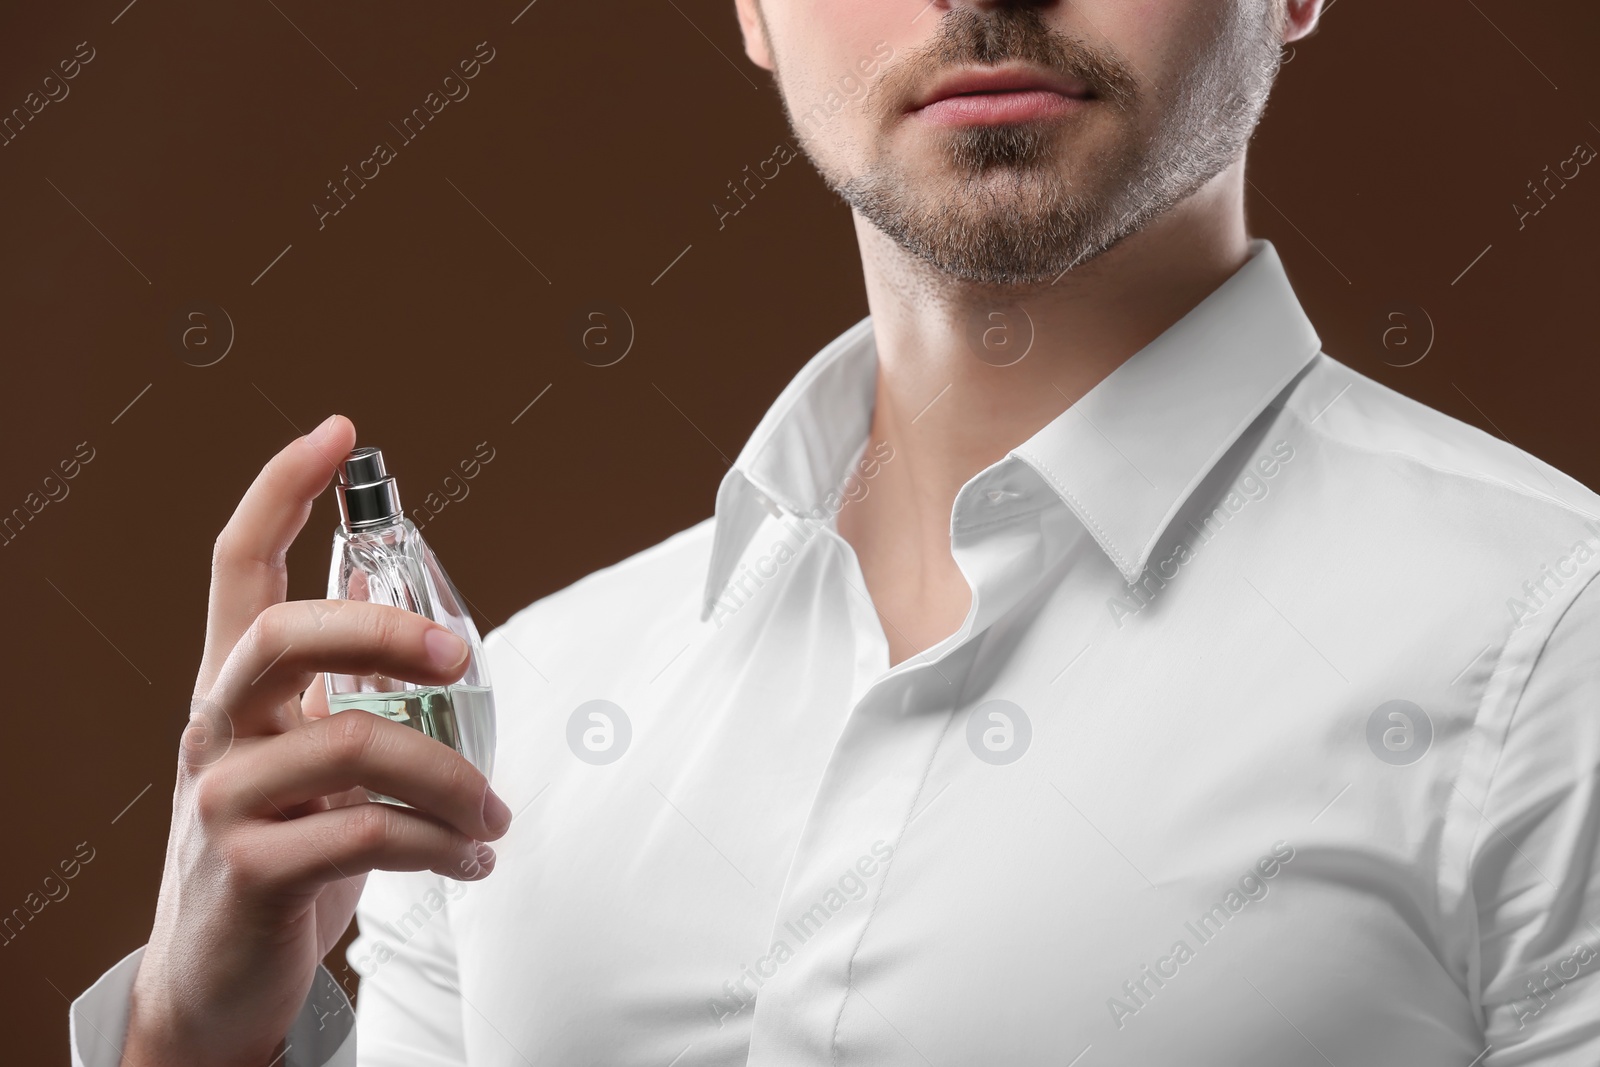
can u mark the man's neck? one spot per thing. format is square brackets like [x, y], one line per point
[948, 413]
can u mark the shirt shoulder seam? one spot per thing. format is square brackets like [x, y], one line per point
[1489, 758]
[1476, 477]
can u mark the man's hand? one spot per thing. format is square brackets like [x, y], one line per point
[272, 834]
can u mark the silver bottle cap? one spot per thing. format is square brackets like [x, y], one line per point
[367, 495]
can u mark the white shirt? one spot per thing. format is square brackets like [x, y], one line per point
[1270, 738]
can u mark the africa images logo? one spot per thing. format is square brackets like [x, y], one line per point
[999, 732]
[599, 732]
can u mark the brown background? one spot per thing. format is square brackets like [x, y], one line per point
[190, 150]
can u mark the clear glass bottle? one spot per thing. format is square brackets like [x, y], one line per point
[380, 556]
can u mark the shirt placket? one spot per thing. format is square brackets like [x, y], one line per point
[873, 786]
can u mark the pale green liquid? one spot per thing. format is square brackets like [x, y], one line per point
[461, 716]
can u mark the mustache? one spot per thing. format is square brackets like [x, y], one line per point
[966, 37]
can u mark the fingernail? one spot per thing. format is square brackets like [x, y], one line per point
[322, 428]
[485, 858]
[496, 816]
[444, 648]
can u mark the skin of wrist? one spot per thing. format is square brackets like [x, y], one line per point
[158, 1037]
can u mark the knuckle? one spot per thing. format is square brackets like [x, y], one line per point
[236, 859]
[206, 738]
[463, 782]
[211, 798]
[321, 610]
[348, 737]
[227, 555]
[370, 828]
[270, 628]
[385, 625]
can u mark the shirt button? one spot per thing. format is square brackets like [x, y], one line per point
[766, 502]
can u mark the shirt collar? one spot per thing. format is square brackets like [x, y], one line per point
[1124, 458]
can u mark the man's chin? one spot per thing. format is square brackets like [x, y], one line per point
[1005, 228]
[1001, 254]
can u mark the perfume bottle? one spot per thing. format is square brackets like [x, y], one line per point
[380, 556]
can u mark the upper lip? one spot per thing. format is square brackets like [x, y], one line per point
[1000, 79]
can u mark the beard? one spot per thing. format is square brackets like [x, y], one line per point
[1007, 205]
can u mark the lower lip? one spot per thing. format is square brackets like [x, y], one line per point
[995, 108]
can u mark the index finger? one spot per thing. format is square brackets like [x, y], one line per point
[247, 564]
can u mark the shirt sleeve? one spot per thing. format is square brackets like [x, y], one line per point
[409, 1012]
[1535, 861]
[322, 1035]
